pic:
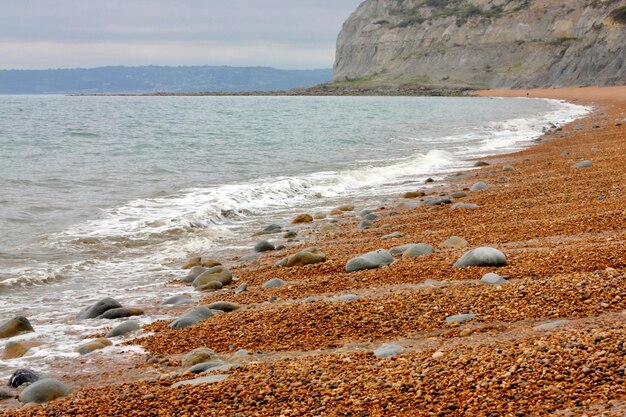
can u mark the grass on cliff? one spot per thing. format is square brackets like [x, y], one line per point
[619, 14]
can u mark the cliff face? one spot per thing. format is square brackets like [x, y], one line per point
[484, 43]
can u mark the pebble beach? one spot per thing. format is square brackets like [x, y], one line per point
[410, 330]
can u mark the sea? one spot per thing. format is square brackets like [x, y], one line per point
[107, 196]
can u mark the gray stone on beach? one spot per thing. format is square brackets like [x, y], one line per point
[394, 235]
[369, 260]
[197, 356]
[408, 205]
[15, 326]
[192, 317]
[399, 250]
[193, 273]
[242, 288]
[290, 234]
[483, 256]
[479, 186]
[211, 379]
[464, 206]
[217, 273]
[460, 176]
[92, 346]
[124, 328]
[119, 313]
[507, 168]
[273, 228]
[437, 201]
[224, 306]
[4, 394]
[365, 224]
[492, 279]
[551, 325]
[242, 352]
[460, 318]
[263, 246]
[274, 283]
[388, 350]
[419, 249]
[43, 391]
[458, 194]
[365, 212]
[454, 242]
[565, 153]
[343, 297]
[178, 300]
[23, 376]
[210, 286]
[304, 257]
[98, 308]
[209, 367]
[370, 217]
[583, 164]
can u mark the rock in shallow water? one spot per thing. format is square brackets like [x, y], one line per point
[98, 308]
[388, 350]
[23, 376]
[484, 256]
[263, 246]
[43, 391]
[124, 328]
[369, 260]
[118, 313]
[93, 346]
[15, 326]
[193, 273]
[178, 300]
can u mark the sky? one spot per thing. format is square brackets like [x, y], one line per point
[291, 34]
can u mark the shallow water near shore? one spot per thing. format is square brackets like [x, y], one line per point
[105, 196]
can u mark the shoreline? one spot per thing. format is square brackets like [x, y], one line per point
[388, 295]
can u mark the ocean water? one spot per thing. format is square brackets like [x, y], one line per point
[106, 196]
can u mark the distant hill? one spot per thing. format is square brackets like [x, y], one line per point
[151, 79]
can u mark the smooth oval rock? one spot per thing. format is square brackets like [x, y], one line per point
[454, 242]
[302, 218]
[458, 194]
[263, 246]
[483, 256]
[43, 391]
[210, 263]
[388, 350]
[274, 283]
[460, 318]
[369, 260]
[408, 205]
[241, 288]
[464, 206]
[124, 328]
[190, 263]
[224, 306]
[23, 376]
[481, 164]
[365, 224]
[205, 380]
[217, 273]
[92, 346]
[414, 194]
[216, 365]
[15, 326]
[192, 317]
[98, 308]
[197, 356]
[13, 350]
[418, 249]
[304, 257]
[492, 279]
[290, 234]
[370, 217]
[193, 273]
[210, 286]
[583, 164]
[119, 313]
[479, 186]
[437, 201]
[178, 300]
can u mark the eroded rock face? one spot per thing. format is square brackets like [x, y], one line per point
[513, 47]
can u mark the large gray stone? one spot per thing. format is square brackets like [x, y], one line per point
[124, 328]
[369, 260]
[484, 256]
[388, 350]
[217, 273]
[192, 317]
[98, 308]
[418, 249]
[263, 246]
[14, 327]
[23, 376]
[43, 391]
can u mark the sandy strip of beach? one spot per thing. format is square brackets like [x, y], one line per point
[549, 341]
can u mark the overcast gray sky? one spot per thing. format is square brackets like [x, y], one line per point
[36, 34]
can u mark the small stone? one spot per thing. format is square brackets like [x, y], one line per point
[454, 242]
[413, 251]
[118, 313]
[224, 306]
[97, 344]
[458, 194]
[429, 180]
[195, 261]
[464, 206]
[124, 328]
[176, 300]
[565, 153]
[438, 355]
[290, 234]
[460, 318]
[437, 201]
[551, 325]
[507, 168]
[193, 273]
[192, 317]
[263, 246]
[482, 164]
[98, 309]
[370, 217]
[414, 194]
[320, 215]
[242, 288]
[302, 218]
[466, 333]
[304, 257]
[394, 235]
[242, 352]
[209, 366]
[483, 256]
[369, 260]
[492, 279]
[217, 273]
[210, 286]
[388, 350]
[210, 263]
[274, 283]
[408, 205]
[479, 186]
[583, 164]
[345, 207]
[197, 356]
[205, 380]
